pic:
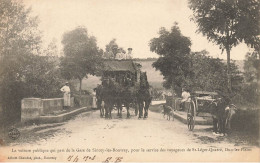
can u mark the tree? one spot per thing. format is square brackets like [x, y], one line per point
[52, 49]
[112, 49]
[250, 92]
[210, 74]
[251, 67]
[112, 46]
[19, 40]
[228, 23]
[82, 56]
[174, 61]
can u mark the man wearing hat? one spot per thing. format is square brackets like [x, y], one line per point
[66, 95]
[129, 54]
[185, 98]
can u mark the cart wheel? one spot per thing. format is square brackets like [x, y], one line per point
[191, 114]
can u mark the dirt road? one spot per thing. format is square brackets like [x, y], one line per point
[151, 139]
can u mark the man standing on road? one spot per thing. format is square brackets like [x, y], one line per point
[66, 95]
[185, 98]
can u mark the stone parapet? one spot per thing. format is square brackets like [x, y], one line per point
[33, 108]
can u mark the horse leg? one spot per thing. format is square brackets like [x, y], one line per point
[136, 108]
[223, 126]
[215, 124]
[118, 109]
[103, 108]
[220, 125]
[110, 111]
[147, 104]
[100, 108]
[119, 105]
[106, 110]
[102, 111]
[127, 108]
[141, 106]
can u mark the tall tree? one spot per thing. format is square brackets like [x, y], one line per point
[228, 23]
[52, 49]
[82, 55]
[174, 61]
[210, 73]
[19, 40]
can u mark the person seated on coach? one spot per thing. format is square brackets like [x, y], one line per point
[129, 54]
[120, 55]
[185, 98]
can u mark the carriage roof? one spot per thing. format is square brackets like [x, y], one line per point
[119, 66]
[205, 93]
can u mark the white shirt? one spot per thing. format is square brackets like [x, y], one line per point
[65, 89]
[129, 56]
[185, 96]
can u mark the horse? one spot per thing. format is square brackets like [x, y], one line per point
[128, 94]
[108, 94]
[144, 95]
[222, 112]
[98, 91]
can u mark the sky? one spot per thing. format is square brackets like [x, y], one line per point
[132, 22]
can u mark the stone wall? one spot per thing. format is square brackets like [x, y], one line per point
[33, 108]
[51, 106]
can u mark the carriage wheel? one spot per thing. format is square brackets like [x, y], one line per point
[191, 114]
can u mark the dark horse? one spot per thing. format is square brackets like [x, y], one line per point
[98, 91]
[108, 94]
[222, 112]
[143, 95]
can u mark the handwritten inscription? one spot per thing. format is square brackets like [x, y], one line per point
[76, 158]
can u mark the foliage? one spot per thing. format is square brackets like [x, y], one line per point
[112, 46]
[23, 72]
[210, 74]
[19, 40]
[52, 49]
[174, 61]
[249, 95]
[42, 78]
[112, 49]
[157, 94]
[82, 56]
[251, 67]
[227, 23]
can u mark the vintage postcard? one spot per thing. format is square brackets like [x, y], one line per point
[129, 81]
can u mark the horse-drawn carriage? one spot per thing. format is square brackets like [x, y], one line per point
[123, 85]
[219, 107]
[199, 103]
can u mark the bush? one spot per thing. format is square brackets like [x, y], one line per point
[247, 121]
[31, 76]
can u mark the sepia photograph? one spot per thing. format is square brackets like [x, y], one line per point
[129, 81]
